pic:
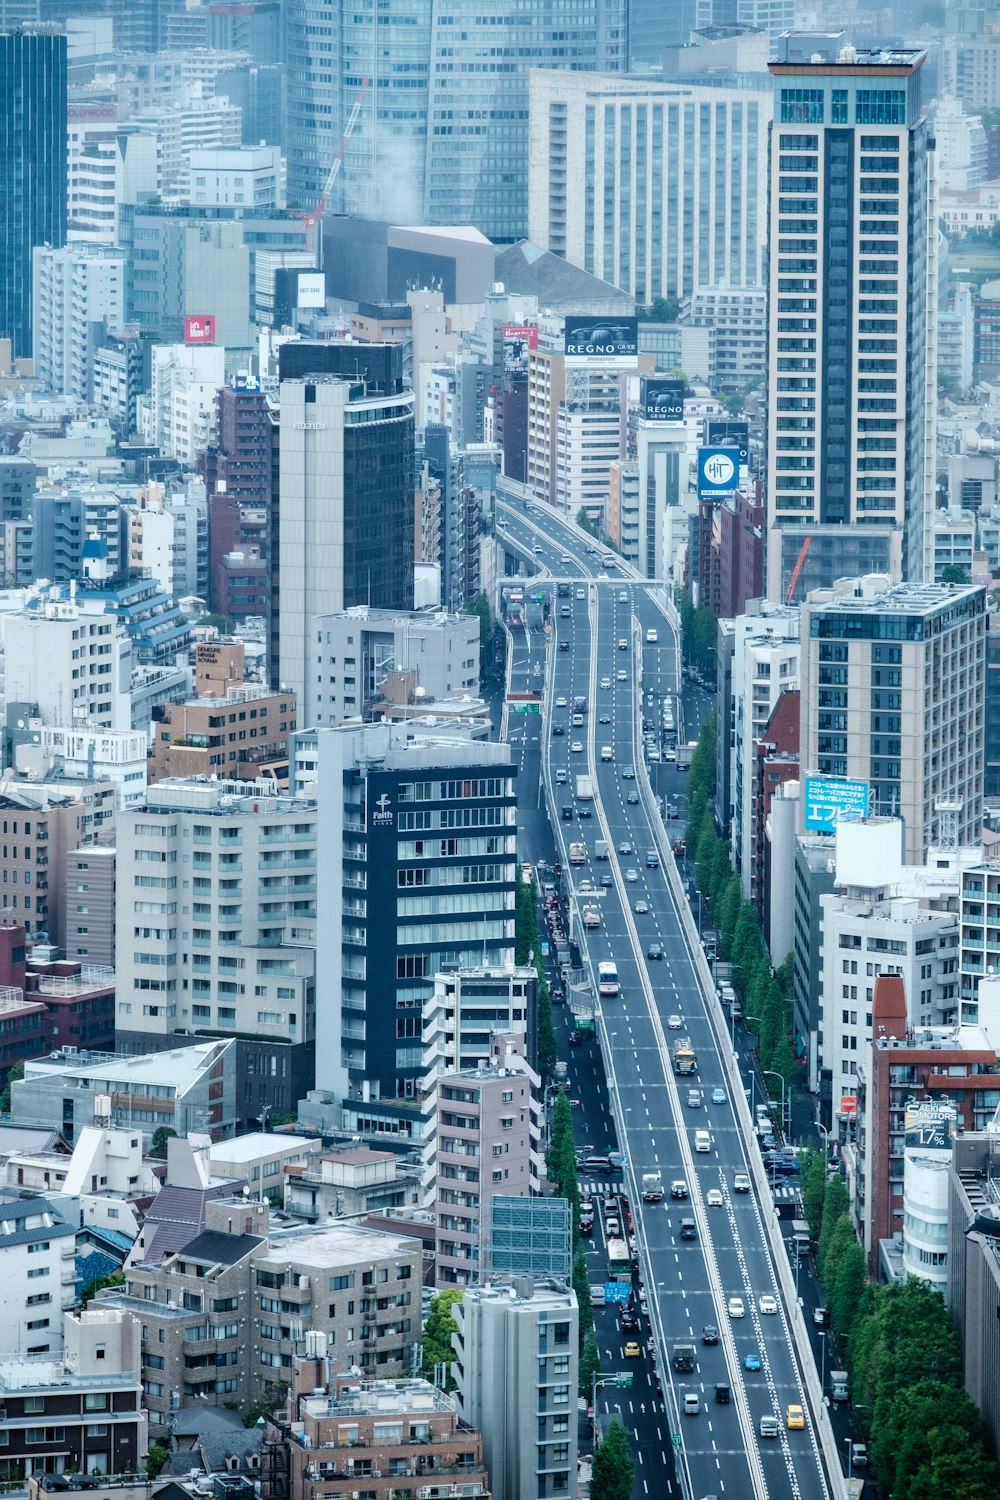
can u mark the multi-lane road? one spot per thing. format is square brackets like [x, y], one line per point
[717, 1451]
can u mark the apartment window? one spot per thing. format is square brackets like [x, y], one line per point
[95, 1401]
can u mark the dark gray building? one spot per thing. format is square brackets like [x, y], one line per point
[417, 873]
[33, 172]
[973, 1293]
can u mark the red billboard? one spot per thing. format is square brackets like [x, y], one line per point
[200, 329]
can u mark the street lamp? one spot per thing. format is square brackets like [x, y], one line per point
[850, 1469]
[786, 1118]
[597, 1380]
[822, 1378]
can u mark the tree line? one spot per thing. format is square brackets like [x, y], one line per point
[925, 1436]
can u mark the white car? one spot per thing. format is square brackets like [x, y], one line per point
[631, 876]
[565, 558]
[767, 1304]
[713, 1198]
[605, 682]
[577, 747]
[622, 676]
[623, 597]
[560, 703]
[641, 908]
[674, 1023]
[736, 1308]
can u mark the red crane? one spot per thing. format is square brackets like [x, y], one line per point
[313, 218]
[790, 591]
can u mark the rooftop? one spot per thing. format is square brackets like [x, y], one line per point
[178, 1069]
[250, 1148]
[383, 1398]
[336, 1245]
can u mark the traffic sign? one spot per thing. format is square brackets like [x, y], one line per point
[617, 1291]
[623, 1379]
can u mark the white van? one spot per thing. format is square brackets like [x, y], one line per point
[607, 753]
[702, 1140]
[651, 637]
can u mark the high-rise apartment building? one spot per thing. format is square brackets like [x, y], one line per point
[516, 1348]
[346, 510]
[852, 378]
[678, 174]
[442, 132]
[33, 180]
[78, 297]
[893, 681]
[235, 954]
[417, 875]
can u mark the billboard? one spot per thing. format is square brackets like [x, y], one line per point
[244, 382]
[311, 290]
[199, 328]
[929, 1126]
[519, 339]
[722, 433]
[662, 400]
[828, 798]
[718, 473]
[602, 343]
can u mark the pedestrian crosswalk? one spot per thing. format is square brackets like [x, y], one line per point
[603, 1188]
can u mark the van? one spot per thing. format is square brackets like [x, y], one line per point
[597, 1295]
[721, 1393]
[688, 1230]
[607, 753]
[692, 1403]
[651, 637]
[702, 1140]
[769, 1427]
[562, 775]
[652, 859]
[596, 1164]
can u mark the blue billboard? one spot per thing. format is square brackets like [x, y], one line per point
[617, 1291]
[718, 472]
[828, 798]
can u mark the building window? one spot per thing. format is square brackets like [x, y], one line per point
[802, 106]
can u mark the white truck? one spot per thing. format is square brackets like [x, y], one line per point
[585, 789]
[652, 1187]
[838, 1385]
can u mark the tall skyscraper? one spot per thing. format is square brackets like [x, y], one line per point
[852, 377]
[442, 133]
[33, 177]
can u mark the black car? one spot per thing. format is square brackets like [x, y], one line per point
[558, 729]
[632, 798]
[585, 810]
[630, 1323]
[710, 1334]
[564, 645]
[655, 950]
[567, 812]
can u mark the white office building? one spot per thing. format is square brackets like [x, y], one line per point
[675, 175]
[114, 755]
[73, 289]
[363, 656]
[246, 177]
[205, 123]
[179, 414]
[168, 537]
[109, 164]
[884, 917]
[75, 665]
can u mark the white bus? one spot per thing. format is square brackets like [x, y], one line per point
[607, 979]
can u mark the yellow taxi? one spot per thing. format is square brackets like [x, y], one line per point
[632, 1350]
[794, 1417]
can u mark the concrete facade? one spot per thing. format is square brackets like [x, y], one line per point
[517, 1381]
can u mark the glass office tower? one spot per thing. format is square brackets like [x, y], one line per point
[33, 173]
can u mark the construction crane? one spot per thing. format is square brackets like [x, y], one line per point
[790, 591]
[313, 218]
